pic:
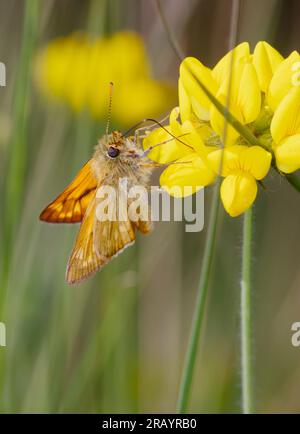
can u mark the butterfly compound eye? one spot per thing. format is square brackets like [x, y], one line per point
[113, 152]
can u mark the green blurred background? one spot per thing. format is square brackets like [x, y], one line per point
[117, 342]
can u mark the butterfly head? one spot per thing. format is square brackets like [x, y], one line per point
[118, 148]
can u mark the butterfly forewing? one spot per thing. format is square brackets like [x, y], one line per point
[71, 205]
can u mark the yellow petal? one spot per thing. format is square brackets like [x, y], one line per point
[286, 119]
[288, 154]
[248, 94]
[229, 158]
[256, 161]
[191, 172]
[238, 193]
[266, 60]
[189, 138]
[194, 137]
[223, 67]
[190, 133]
[244, 90]
[168, 150]
[220, 124]
[285, 77]
[244, 102]
[184, 102]
[199, 101]
[176, 127]
[163, 153]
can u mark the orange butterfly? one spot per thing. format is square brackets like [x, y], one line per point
[97, 242]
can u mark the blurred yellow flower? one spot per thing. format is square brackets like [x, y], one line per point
[77, 70]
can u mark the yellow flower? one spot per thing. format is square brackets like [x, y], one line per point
[241, 167]
[188, 170]
[262, 91]
[243, 83]
[243, 75]
[77, 70]
[285, 130]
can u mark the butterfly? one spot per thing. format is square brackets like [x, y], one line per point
[98, 241]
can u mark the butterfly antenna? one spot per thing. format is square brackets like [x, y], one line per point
[170, 134]
[155, 122]
[148, 150]
[111, 87]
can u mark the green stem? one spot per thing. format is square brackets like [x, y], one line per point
[185, 386]
[18, 151]
[246, 344]
[18, 145]
[171, 37]
[20, 107]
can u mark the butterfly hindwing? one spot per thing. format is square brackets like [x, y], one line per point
[84, 259]
[113, 235]
[100, 240]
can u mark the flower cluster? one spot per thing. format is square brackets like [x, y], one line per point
[77, 69]
[261, 90]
